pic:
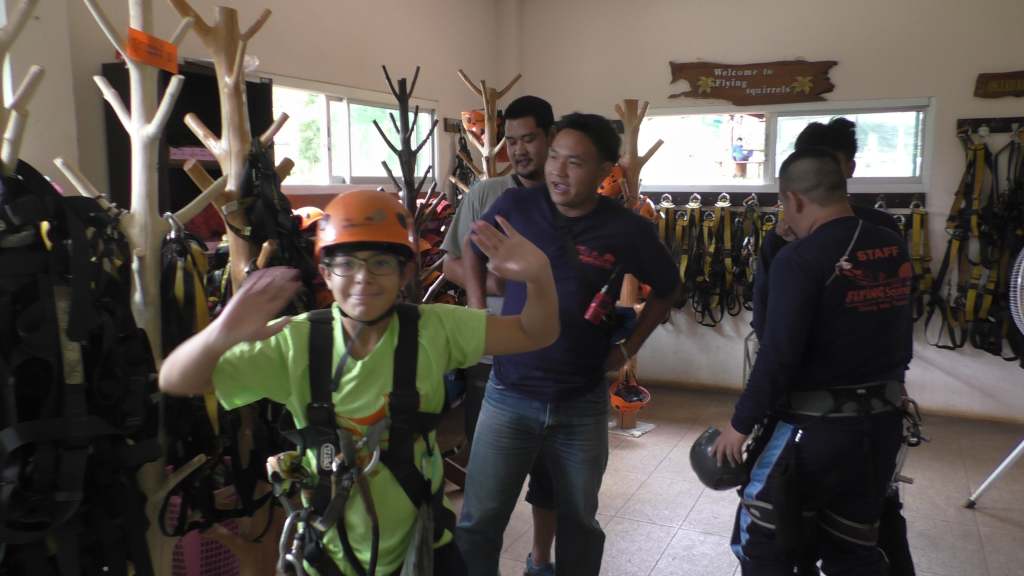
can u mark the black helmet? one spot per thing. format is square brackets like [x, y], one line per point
[706, 466]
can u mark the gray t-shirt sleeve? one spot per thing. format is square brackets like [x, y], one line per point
[474, 204]
[464, 217]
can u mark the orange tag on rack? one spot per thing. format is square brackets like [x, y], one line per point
[151, 50]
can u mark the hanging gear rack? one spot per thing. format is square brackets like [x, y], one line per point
[969, 294]
[716, 243]
[77, 379]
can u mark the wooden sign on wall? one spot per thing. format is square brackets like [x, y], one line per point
[755, 84]
[1000, 84]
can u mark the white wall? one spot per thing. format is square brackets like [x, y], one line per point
[589, 54]
[338, 41]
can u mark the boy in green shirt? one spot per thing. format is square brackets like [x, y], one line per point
[366, 254]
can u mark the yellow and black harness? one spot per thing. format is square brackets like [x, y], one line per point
[339, 470]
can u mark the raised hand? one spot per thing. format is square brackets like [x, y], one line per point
[511, 256]
[263, 296]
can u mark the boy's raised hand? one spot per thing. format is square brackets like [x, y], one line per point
[263, 296]
[511, 256]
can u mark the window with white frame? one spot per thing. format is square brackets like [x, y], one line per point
[332, 139]
[705, 149]
[730, 149]
[889, 144]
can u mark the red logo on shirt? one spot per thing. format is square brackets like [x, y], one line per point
[595, 258]
[876, 290]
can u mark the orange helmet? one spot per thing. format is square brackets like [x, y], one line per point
[366, 217]
[626, 393]
[612, 185]
[473, 122]
[308, 215]
[647, 209]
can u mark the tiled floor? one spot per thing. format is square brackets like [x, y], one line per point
[661, 521]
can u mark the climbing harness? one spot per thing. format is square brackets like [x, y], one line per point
[337, 451]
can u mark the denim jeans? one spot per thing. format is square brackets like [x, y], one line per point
[513, 430]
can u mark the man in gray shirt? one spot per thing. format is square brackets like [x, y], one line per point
[528, 122]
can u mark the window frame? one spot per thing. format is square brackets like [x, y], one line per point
[384, 180]
[918, 184]
[349, 95]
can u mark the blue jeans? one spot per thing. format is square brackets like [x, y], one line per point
[513, 431]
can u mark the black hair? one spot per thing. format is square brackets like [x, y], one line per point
[532, 107]
[598, 129]
[815, 174]
[839, 135]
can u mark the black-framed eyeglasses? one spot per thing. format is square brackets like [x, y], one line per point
[376, 265]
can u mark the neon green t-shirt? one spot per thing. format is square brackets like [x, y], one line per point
[278, 368]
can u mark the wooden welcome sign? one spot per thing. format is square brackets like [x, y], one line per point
[779, 82]
[999, 85]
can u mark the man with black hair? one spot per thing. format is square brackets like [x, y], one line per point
[829, 379]
[528, 121]
[554, 404]
[840, 137]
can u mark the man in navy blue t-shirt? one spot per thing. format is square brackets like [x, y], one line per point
[839, 136]
[828, 376]
[553, 403]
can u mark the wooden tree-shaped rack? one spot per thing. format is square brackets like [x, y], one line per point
[227, 44]
[408, 188]
[144, 120]
[489, 148]
[632, 115]
[14, 114]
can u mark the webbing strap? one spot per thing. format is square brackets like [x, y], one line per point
[920, 258]
[407, 422]
[855, 532]
[727, 248]
[666, 223]
[710, 230]
[683, 240]
[979, 151]
[321, 420]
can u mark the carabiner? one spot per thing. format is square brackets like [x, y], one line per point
[291, 555]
